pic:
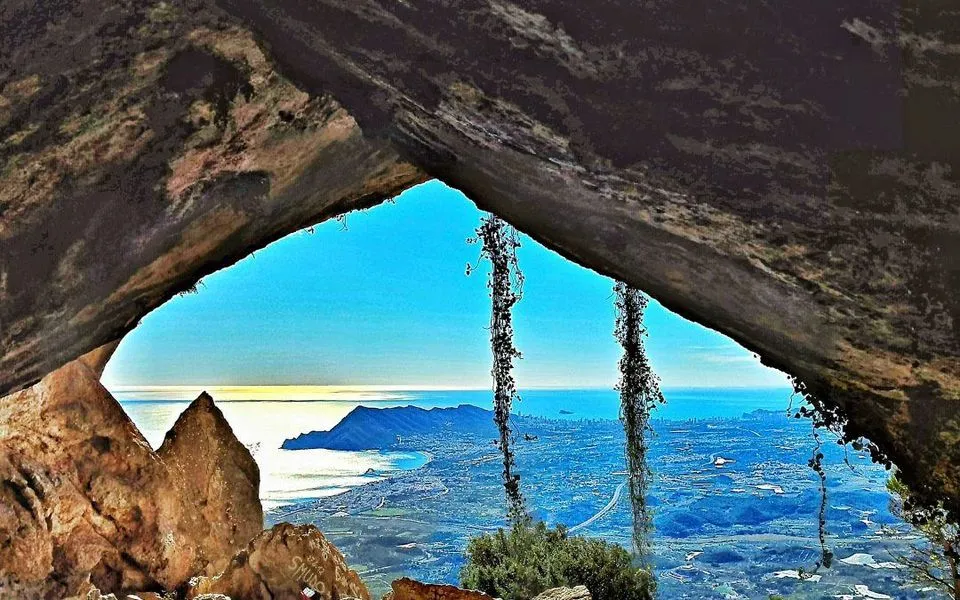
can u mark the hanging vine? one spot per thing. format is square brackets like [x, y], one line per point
[639, 389]
[816, 463]
[821, 417]
[499, 242]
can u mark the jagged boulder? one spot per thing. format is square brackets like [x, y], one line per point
[95, 594]
[98, 358]
[408, 589]
[212, 466]
[85, 500]
[279, 563]
[562, 593]
[79, 494]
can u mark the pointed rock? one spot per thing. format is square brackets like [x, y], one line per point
[279, 563]
[577, 593]
[408, 589]
[80, 500]
[85, 501]
[213, 467]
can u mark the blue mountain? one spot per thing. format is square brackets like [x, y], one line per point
[375, 428]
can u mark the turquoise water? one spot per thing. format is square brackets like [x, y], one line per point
[682, 403]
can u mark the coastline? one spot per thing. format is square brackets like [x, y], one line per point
[739, 522]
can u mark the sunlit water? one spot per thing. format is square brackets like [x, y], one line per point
[285, 475]
[290, 475]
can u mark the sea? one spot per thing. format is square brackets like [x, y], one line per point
[734, 501]
[292, 475]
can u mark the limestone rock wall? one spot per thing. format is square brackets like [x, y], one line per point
[142, 146]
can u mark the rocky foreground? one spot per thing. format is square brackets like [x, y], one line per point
[88, 511]
[85, 501]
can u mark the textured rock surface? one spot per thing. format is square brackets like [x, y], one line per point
[95, 594]
[147, 147]
[84, 500]
[576, 593]
[279, 563]
[98, 358]
[785, 174]
[211, 464]
[408, 589]
[80, 494]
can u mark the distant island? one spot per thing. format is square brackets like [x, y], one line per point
[375, 428]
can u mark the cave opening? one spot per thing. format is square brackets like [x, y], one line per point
[373, 310]
[787, 180]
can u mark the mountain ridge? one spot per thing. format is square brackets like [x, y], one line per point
[366, 428]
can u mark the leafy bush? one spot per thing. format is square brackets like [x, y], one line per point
[520, 563]
[938, 561]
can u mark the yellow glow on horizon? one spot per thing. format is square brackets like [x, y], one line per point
[279, 392]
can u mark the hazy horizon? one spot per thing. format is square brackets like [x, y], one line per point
[354, 393]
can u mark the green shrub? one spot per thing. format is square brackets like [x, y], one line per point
[520, 563]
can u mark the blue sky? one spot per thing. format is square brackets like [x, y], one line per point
[385, 301]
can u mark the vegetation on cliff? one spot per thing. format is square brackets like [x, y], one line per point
[526, 560]
[937, 563]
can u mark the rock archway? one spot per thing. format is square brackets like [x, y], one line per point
[786, 175]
